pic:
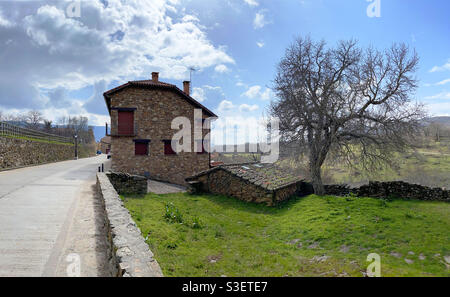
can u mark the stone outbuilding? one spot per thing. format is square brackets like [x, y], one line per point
[251, 182]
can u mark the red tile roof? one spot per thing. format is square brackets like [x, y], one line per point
[152, 84]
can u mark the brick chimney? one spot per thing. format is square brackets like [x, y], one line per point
[186, 87]
[155, 76]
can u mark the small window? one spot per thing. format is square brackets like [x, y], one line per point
[141, 147]
[168, 150]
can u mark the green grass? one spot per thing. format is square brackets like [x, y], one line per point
[235, 238]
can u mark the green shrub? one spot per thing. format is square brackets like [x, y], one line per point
[196, 224]
[173, 214]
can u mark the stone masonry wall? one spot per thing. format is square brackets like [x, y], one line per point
[155, 110]
[16, 153]
[128, 252]
[394, 189]
[125, 183]
[224, 183]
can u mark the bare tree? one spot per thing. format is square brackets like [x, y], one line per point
[352, 102]
[33, 119]
[48, 126]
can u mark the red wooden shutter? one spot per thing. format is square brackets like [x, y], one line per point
[141, 148]
[168, 148]
[126, 123]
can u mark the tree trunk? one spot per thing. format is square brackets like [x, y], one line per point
[316, 178]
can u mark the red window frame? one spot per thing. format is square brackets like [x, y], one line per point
[125, 122]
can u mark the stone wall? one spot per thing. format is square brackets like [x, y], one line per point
[155, 110]
[391, 190]
[15, 153]
[125, 183]
[128, 252]
[223, 183]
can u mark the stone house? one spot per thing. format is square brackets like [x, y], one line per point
[251, 182]
[141, 116]
[105, 145]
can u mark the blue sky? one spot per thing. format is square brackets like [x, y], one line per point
[62, 64]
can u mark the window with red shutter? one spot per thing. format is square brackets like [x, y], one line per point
[141, 147]
[168, 150]
[125, 122]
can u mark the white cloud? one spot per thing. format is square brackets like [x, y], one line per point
[3, 21]
[115, 41]
[221, 68]
[246, 107]
[198, 94]
[253, 3]
[225, 105]
[260, 44]
[439, 109]
[443, 95]
[260, 19]
[444, 67]
[444, 82]
[257, 92]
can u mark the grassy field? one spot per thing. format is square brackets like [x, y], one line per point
[428, 166]
[308, 236]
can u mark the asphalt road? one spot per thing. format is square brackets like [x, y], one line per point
[38, 209]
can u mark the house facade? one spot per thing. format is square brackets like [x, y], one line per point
[141, 118]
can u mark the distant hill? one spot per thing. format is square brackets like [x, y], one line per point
[441, 120]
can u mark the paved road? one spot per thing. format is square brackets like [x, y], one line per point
[38, 218]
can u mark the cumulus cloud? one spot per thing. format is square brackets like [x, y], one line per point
[443, 95]
[444, 67]
[96, 102]
[246, 107]
[225, 105]
[3, 21]
[260, 19]
[198, 94]
[257, 92]
[221, 68]
[46, 52]
[260, 44]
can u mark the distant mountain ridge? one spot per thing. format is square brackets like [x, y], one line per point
[443, 120]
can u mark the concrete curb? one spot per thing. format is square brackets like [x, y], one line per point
[129, 254]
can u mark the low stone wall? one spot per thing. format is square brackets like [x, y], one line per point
[125, 183]
[391, 190]
[129, 254]
[15, 153]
